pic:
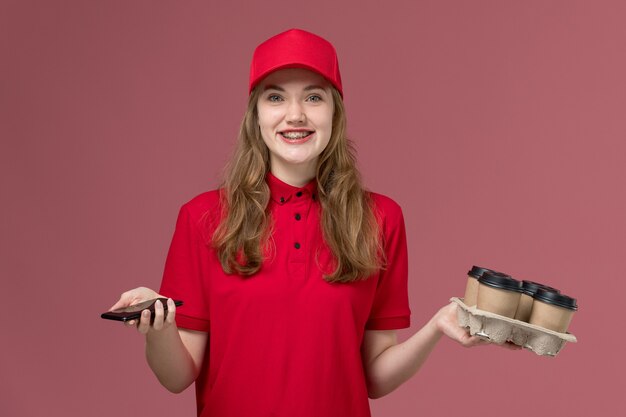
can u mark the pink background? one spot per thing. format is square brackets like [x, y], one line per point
[497, 125]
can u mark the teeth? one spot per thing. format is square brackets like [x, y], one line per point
[295, 135]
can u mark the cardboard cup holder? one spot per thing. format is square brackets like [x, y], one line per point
[499, 329]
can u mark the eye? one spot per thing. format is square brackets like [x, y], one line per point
[315, 98]
[274, 98]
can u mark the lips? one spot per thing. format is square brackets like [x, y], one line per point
[296, 134]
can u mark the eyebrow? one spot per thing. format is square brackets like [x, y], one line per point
[307, 88]
[314, 87]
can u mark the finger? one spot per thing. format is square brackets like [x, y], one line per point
[460, 334]
[144, 322]
[466, 340]
[478, 341]
[171, 311]
[511, 346]
[452, 307]
[126, 299]
[119, 303]
[159, 315]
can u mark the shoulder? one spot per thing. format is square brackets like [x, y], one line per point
[389, 214]
[391, 223]
[202, 212]
[385, 207]
[201, 204]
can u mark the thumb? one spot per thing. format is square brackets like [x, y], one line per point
[126, 299]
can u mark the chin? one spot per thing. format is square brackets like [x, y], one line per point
[298, 160]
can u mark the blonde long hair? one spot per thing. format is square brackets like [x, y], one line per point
[348, 219]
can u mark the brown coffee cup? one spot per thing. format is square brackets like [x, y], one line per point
[498, 293]
[526, 301]
[552, 310]
[471, 288]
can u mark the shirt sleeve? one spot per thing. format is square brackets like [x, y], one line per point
[186, 272]
[390, 309]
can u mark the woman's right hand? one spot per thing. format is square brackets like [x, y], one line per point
[141, 294]
[174, 355]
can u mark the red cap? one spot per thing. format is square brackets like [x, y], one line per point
[295, 48]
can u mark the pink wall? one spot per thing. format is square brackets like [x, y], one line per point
[497, 125]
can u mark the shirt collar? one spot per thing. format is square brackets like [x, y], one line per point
[281, 192]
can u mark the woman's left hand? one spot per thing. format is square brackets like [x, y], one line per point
[446, 322]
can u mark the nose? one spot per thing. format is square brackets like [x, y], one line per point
[295, 112]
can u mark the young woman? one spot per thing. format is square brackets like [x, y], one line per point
[294, 278]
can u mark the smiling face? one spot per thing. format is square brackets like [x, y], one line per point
[295, 112]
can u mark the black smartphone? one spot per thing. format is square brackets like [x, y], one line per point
[134, 312]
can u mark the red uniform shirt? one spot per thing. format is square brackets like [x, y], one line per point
[283, 342]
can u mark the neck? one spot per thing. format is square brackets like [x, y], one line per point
[295, 175]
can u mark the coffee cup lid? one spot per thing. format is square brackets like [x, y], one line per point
[500, 281]
[555, 298]
[530, 287]
[478, 271]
